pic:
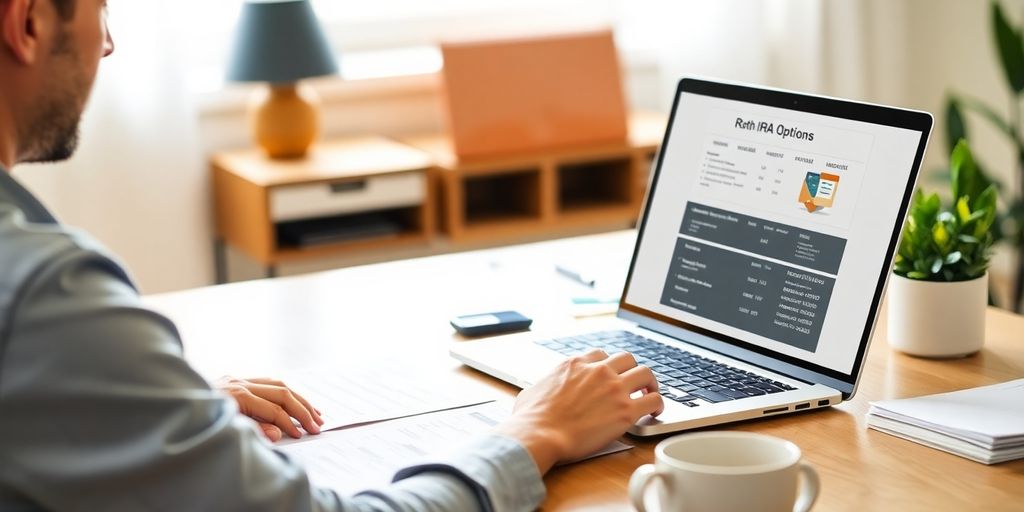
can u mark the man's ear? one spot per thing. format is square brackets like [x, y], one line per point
[19, 29]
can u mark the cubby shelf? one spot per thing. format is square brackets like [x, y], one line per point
[517, 194]
[479, 202]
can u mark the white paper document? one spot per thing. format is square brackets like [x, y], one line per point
[985, 424]
[352, 460]
[382, 390]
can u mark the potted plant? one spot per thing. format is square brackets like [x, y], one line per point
[1009, 229]
[938, 296]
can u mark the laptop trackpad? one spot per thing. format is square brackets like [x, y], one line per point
[516, 360]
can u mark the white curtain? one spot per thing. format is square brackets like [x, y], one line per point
[138, 182]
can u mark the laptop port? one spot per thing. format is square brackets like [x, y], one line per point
[802, 406]
[822, 403]
[775, 410]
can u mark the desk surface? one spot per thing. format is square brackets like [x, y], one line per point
[267, 327]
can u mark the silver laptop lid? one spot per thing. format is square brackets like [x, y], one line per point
[770, 226]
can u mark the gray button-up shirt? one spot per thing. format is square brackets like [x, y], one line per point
[99, 412]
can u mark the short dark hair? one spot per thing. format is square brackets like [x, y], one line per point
[66, 8]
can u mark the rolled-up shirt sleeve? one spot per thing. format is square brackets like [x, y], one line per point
[98, 411]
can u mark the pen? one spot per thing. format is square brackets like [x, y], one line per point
[579, 277]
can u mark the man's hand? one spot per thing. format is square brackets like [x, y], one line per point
[582, 406]
[272, 405]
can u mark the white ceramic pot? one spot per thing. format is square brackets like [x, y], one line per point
[933, 319]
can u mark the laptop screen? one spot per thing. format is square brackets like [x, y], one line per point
[772, 218]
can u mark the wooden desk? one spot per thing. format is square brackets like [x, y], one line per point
[266, 327]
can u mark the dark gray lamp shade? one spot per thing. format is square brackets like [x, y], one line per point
[279, 42]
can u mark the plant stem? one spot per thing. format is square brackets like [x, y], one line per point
[1017, 295]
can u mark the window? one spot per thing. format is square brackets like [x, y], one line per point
[384, 37]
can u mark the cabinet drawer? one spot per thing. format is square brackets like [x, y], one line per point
[350, 196]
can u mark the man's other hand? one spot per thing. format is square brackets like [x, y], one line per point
[587, 402]
[273, 405]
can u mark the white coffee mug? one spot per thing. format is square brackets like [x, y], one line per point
[726, 472]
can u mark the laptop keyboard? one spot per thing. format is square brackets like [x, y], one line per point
[683, 377]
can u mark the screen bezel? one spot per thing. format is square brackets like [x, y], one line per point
[748, 352]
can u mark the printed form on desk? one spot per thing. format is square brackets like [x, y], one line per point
[384, 389]
[354, 459]
[984, 424]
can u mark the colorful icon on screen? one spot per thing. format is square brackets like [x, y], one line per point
[818, 191]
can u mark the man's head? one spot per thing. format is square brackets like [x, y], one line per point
[49, 53]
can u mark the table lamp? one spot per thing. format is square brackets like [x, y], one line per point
[280, 42]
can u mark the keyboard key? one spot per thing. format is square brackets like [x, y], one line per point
[768, 388]
[683, 398]
[710, 396]
[753, 391]
[732, 393]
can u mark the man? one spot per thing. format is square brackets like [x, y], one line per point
[99, 412]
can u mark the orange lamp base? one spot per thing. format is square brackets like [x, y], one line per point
[285, 120]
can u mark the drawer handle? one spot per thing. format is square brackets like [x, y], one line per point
[348, 186]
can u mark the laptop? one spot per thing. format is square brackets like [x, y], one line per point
[762, 255]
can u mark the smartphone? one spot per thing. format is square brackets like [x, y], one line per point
[485, 324]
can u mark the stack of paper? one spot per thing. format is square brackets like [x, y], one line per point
[355, 459]
[383, 415]
[984, 424]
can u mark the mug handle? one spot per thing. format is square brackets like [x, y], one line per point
[638, 483]
[809, 487]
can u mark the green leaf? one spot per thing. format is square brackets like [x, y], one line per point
[902, 268]
[963, 210]
[921, 266]
[1011, 52]
[940, 235]
[917, 275]
[980, 214]
[985, 202]
[977, 269]
[965, 178]
[924, 210]
[989, 114]
[953, 257]
[936, 265]
[948, 274]
[967, 239]
[956, 129]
